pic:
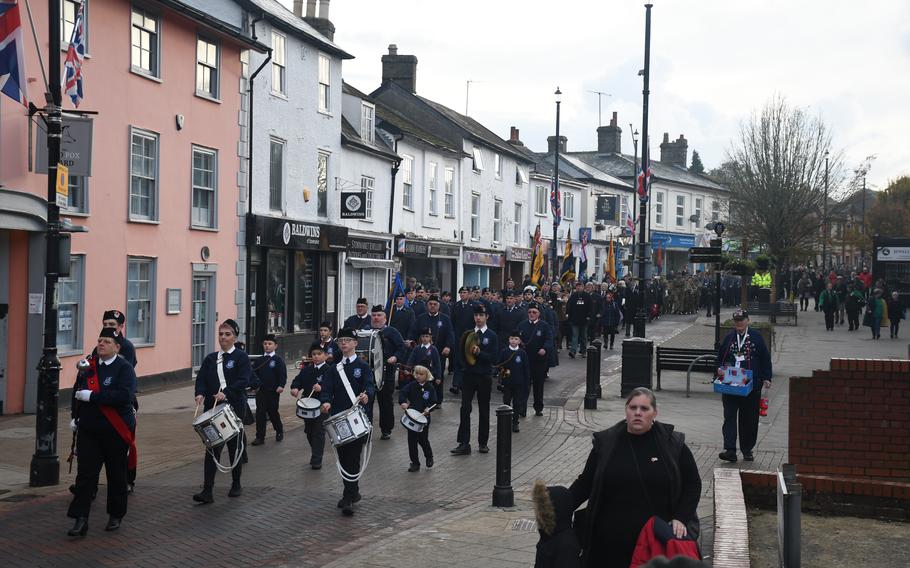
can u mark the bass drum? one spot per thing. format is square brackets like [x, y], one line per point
[369, 349]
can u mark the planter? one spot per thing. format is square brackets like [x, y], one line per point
[764, 328]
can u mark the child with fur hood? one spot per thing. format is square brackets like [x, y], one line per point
[558, 545]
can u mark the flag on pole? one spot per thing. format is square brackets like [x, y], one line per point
[12, 50]
[72, 81]
[555, 201]
[537, 263]
[611, 262]
[660, 258]
[568, 261]
[630, 222]
[583, 236]
[396, 287]
[644, 179]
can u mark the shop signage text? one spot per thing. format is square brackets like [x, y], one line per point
[483, 258]
[517, 254]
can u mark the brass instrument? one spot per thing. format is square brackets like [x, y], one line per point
[469, 340]
[304, 362]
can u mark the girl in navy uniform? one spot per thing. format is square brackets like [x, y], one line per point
[235, 368]
[308, 380]
[427, 354]
[272, 375]
[335, 399]
[419, 394]
[516, 387]
[104, 419]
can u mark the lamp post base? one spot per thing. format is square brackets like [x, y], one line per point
[638, 325]
[44, 471]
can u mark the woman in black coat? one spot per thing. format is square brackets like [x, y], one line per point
[638, 468]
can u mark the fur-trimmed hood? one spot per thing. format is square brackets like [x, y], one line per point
[553, 507]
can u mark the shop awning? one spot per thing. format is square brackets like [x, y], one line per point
[384, 264]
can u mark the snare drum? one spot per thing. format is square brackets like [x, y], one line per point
[308, 408]
[413, 420]
[347, 426]
[218, 426]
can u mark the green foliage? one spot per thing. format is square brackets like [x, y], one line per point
[890, 215]
[738, 265]
[765, 261]
[696, 167]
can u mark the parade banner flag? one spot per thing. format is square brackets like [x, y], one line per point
[12, 50]
[568, 261]
[397, 286]
[644, 180]
[538, 263]
[555, 201]
[584, 235]
[611, 262]
[72, 67]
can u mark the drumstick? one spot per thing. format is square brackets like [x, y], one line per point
[311, 393]
[428, 410]
[196, 412]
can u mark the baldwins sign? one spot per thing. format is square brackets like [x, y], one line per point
[75, 146]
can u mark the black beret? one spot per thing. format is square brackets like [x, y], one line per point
[533, 306]
[485, 290]
[433, 298]
[270, 337]
[346, 332]
[233, 325]
[315, 348]
[426, 331]
[463, 289]
[378, 308]
[326, 324]
[362, 301]
[480, 309]
[514, 333]
[109, 332]
[419, 288]
[475, 288]
[113, 315]
[399, 295]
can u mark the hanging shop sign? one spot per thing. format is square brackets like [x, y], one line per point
[354, 205]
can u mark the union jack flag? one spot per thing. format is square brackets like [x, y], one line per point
[12, 48]
[72, 82]
[644, 180]
[555, 201]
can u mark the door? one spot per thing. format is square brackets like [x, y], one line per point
[202, 318]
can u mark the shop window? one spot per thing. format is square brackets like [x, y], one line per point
[305, 291]
[277, 282]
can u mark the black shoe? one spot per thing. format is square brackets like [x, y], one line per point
[244, 458]
[515, 427]
[113, 524]
[584, 354]
[236, 490]
[748, 456]
[315, 466]
[461, 450]
[385, 436]
[80, 528]
[538, 413]
[279, 436]
[357, 498]
[258, 442]
[728, 455]
[346, 506]
[204, 496]
[454, 390]
[414, 467]
[484, 449]
[572, 354]
[430, 462]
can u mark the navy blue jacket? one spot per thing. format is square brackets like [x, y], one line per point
[237, 374]
[117, 383]
[536, 336]
[360, 375]
[420, 355]
[758, 360]
[392, 346]
[418, 396]
[308, 377]
[509, 319]
[402, 319]
[462, 317]
[611, 314]
[269, 373]
[418, 307]
[356, 322]
[331, 349]
[518, 366]
[440, 325]
[489, 351]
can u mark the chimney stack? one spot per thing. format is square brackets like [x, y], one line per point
[551, 144]
[310, 8]
[321, 23]
[674, 153]
[513, 137]
[609, 138]
[400, 69]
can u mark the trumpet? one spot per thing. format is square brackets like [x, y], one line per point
[304, 362]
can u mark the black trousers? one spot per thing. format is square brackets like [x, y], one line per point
[516, 396]
[423, 440]
[386, 405]
[829, 319]
[853, 320]
[209, 469]
[131, 473]
[97, 448]
[482, 385]
[349, 458]
[267, 408]
[315, 436]
[741, 411]
[539, 368]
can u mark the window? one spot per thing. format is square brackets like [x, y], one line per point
[322, 184]
[140, 292]
[431, 186]
[367, 122]
[624, 212]
[68, 11]
[521, 176]
[659, 208]
[497, 220]
[497, 165]
[206, 68]
[540, 203]
[366, 185]
[77, 200]
[715, 210]
[450, 192]
[595, 271]
[69, 307]
[407, 182]
[143, 175]
[276, 174]
[144, 53]
[324, 83]
[478, 160]
[516, 225]
[279, 72]
[205, 187]
[475, 216]
[306, 290]
[697, 211]
[568, 205]
[680, 210]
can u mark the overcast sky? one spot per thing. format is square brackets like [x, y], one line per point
[712, 63]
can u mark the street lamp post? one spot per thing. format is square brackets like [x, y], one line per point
[634, 174]
[556, 196]
[641, 317]
[825, 221]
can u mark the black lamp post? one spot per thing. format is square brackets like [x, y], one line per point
[634, 174]
[641, 317]
[556, 195]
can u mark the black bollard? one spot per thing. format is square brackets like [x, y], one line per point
[599, 345]
[592, 378]
[503, 496]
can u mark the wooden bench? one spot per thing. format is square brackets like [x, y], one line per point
[790, 310]
[678, 359]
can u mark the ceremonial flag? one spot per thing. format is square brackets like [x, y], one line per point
[397, 286]
[660, 258]
[72, 81]
[12, 48]
[568, 261]
[644, 180]
[583, 236]
[555, 201]
[630, 222]
[611, 262]
[537, 264]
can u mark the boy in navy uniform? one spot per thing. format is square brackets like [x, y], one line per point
[478, 378]
[309, 380]
[515, 388]
[214, 386]
[419, 395]
[537, 338]
[427, 355]
[272, 375]
[326, 343]
[104, 418]
[361, 319]
[335, 399]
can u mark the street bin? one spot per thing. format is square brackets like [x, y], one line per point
[637, 364]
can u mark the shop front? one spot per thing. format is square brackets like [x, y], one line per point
[891, 263]
[483, 268]
[434, 265]
[518, 263]
[674, 250]
[367, 272]
[296, 266]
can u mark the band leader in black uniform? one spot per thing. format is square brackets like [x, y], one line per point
[104, 419]
[478, 378]
[334, 399]
[361, 319]
[537, 338]
[271, 373]
[393, 353]
[235, 366]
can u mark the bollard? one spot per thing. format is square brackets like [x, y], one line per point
[503, 496]
[592, 377]
[599, 345]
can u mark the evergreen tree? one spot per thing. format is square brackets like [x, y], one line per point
[696, 167]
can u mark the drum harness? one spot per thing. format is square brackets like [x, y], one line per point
[365, 460]
[238, 453]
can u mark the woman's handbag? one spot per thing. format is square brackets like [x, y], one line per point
[867, 318]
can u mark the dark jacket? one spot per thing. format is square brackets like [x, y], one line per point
[418, 396]
[428, 357]
[558, 546]
[392, 346]
[758, 358]
[308, 377]
[117, 388]
[509, 320]
[360, 375]
[536, 336]
[440, 325]
[610, 315]
[402, 319]
[489, 350]
[270, 372]
[356, 322]
[518, 366]
[237, 373]
[462, 317]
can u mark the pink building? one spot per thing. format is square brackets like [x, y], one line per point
[160, 206]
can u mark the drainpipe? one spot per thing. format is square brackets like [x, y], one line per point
[250, 240]
[395, 167]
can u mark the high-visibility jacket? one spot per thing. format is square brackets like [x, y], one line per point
[762, 280]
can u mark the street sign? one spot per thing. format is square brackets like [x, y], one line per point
[63, 185]
[704, 250]
[706, 255]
